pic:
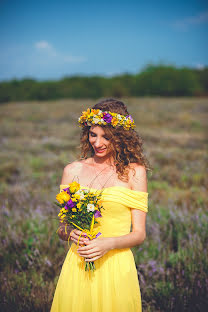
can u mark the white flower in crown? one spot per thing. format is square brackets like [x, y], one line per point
[90, 207]
[96, 120]
[96, 116]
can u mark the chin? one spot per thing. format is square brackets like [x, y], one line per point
[101, 154]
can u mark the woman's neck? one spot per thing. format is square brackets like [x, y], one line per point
[104, 161]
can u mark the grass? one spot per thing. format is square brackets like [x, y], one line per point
[39, 138]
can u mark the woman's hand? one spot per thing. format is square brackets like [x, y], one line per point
[95, 248]
[75, 236]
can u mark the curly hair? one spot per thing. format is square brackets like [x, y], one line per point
[126, 145]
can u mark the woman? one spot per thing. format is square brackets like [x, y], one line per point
[118, 167]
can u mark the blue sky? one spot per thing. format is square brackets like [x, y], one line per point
[54, 39]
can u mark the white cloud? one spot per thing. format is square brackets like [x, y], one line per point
[49, 51]
[185, 23]
[41, 45]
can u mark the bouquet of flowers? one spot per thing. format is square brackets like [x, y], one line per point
[80, 208]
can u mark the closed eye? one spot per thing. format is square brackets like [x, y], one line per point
[92, 134]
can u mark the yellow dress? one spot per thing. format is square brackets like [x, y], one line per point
[114, 285]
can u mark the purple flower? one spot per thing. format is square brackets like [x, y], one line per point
[129, 117]
[66, 190]
[69, 204]
[107, 118]
[97, 214]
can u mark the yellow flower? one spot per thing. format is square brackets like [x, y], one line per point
[74, 187]
[95, 116]
[74, 199]
[84, 114]
[77, 196]
[63, 197]
[95, 111]
[114, 121]
[79, 205]
[74, 209]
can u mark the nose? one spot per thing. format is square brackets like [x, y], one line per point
[98, 142]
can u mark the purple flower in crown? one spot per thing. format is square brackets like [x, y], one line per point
[107, 117]
[129, 117]
[70, 204]
[97, 214]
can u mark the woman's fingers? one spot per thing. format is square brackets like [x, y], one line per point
[90, 255]
[93, 259]
[75, 235]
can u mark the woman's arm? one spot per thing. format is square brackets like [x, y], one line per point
[67, 177]
[138, 234]
[138, 182]
[62, 233]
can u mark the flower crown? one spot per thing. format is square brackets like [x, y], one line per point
[98, 117]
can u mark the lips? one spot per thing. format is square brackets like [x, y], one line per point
[100, 150]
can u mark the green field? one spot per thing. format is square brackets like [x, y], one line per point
[39, 138]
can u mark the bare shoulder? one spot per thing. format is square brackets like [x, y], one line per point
[71, 171]
[138, 177]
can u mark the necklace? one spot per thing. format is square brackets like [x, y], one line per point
[98, 174]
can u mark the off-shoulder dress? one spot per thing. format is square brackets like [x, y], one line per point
[114, 285]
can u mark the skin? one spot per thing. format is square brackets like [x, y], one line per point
[96, 248]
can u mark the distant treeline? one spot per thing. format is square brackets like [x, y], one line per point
[154, 80]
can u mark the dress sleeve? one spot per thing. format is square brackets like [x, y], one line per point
[137, 200]
[140, 202]
[130, 198]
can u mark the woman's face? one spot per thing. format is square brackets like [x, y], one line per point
[99, 141]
